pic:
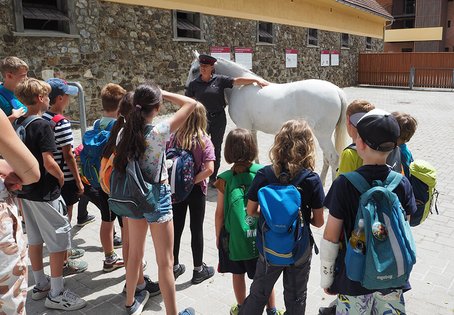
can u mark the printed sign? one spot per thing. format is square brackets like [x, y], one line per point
[220, 52]
[291, 58]
[243, 56]
[324, 58]
[335, 58]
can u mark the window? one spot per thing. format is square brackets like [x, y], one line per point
[44, 16]
[368, 43]
[187, 25]
[407, 50]
[446, 48]
[409, 6]
[265, 32]
[449, 23]
[345, 40]
[312, 37]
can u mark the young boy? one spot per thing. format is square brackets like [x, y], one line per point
[111, 94]
[378, 132]
[14, 71]
[43, 207]
[408, 125]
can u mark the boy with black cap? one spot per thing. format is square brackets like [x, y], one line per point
[378, 132]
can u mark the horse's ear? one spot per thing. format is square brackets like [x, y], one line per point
[196, 54]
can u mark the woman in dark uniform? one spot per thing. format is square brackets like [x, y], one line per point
[208, 89]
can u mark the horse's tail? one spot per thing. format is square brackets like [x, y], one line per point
[340, 133]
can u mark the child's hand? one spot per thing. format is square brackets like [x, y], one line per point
[13, 182]
[16, 113]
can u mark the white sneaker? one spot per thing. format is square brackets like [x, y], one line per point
[66, 300]
[41, 293]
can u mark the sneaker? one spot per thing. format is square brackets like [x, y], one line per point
[329, 310]
[150, 286]
[88, 219]
[66, 300]
[75, 266]
[140, 299]
[187, 311]
[75, 253]
[113, 262]
[41, 293]
[117, 242]
[235, 309]
[23, 227]
[144, 264]
[200, 276]
[181, 269]
[274, 311]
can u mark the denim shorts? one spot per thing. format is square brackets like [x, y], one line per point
[164, 212]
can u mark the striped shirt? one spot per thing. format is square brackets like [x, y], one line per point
[63, 136]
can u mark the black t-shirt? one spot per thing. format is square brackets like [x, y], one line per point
[211, 93]
[311, 186]
[342, 201]
[40, 138]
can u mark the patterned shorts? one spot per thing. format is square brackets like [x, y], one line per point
[375, 303]
[13, 260]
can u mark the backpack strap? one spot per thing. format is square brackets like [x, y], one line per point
[358, 181]
[97, 125]
[27, 121]
[57, 118]
[110, 125]
[393, 180]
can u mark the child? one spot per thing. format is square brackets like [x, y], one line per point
[192, 136]
[14, 71]
[111, 94]
[241, 150]
[408, 125]
[146, 142]
[349, 159]
[43, 207]
[378, 132]
[293, 152]
[64, 156]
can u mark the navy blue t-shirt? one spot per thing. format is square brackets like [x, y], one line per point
[342, 201]
[311, 186]
[211, 93]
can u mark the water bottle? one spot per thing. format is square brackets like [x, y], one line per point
[358, 238]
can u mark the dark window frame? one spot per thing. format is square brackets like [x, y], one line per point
[368, 43]
[42, 17]
[265, 32]
[187, 26]
[345, 40]
[312, 37]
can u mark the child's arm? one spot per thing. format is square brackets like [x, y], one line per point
[52, 167]
[70, 160]
[208, 169]
[253, 208]
[186, 104]
[219, 216]
[329, 248]
[317, 219]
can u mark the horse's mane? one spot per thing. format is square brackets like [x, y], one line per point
[234, 64]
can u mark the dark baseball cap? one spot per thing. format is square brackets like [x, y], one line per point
[379, 130]
[61, 87]
[354, 118]
[207, 60]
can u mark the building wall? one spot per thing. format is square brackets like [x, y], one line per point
[128, 44]
[449, 39]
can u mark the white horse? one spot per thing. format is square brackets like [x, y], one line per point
[321, 103]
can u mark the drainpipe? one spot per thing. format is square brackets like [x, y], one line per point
[82, 114]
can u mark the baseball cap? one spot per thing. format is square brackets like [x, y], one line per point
[354, 118]
[207, 59]
[379, 130]
[61, 87]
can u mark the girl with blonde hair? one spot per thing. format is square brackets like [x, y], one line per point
[192, 136]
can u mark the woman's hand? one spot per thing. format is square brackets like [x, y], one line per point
[262, 83]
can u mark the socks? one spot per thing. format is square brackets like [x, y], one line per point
[56, 286]
[109, 254]
[198, 269]
[176, 267]
[40, 278]
[140, 287]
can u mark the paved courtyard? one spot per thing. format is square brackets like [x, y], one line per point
[433, 276]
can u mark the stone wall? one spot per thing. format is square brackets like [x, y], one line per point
[128, 44]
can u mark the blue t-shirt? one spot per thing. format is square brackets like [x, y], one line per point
[406, 158]
[342, 201]
[8, 101]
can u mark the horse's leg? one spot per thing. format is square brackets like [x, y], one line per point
[254, 135]
[325, 167]
[330, 157]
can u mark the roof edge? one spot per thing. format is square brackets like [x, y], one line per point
[388, 16]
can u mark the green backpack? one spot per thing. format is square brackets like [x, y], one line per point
[240, 227]
[423, 178]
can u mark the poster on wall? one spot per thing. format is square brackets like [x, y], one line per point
[324, 58]
[291, 58]
[334, 57]
[243, 56]
[220, 52]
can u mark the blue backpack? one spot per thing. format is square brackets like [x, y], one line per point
[181, 173]
[283, 235]
[94, 141]
[390, 251]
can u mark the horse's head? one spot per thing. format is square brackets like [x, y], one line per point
[194, 71]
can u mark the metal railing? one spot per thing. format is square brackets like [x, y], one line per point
[82, 113]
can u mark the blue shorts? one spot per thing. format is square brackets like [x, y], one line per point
[164, 212]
